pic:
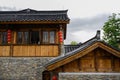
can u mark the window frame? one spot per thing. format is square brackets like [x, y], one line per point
[40, 34]
[23, 37]
[3, 37]
[49, 37]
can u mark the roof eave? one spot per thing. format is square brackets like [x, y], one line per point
[33, 22]
[67, 58]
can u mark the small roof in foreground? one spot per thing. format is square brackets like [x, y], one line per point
[31, 15]
[82, 50]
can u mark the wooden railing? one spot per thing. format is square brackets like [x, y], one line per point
[29, 50]
[5, 50]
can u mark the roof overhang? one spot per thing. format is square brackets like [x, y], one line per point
[35, 22]
[66, 59]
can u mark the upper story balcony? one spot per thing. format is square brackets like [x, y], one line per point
[32, 33]
[30, 40]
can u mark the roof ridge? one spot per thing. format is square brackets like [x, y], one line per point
[70, 48]
[33, 10]
[34, 15]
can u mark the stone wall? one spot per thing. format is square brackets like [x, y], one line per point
[89, 76]
[21, 68]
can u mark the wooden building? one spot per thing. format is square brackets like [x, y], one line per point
[93, 55]
[32, 33]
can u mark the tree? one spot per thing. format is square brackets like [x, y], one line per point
[73, 43]
[111, 30]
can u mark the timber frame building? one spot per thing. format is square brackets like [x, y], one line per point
[37, 38]
[34, 33]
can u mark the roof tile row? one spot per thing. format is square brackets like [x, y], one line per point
[33, 15]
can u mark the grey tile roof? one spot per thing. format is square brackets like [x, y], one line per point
[33, 15]
[70, 53]
[80, 48]
[69, 48]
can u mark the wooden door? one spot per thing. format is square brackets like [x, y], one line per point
[35, 37]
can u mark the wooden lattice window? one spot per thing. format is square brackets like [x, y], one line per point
[48, 37]
[3, 37]
[22, 37]
[34, 37]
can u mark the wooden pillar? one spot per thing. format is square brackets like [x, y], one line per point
[79, 64]
[61, 36]
[112, 63]
[11, 50]
[95, 61]
[62, 68]
[14, 37]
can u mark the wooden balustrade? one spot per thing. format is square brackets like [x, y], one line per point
[29, 50]
[4, 50]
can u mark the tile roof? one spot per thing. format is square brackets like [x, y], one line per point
[33, 15]
[79, 48]
[70, 53]
[69, 48]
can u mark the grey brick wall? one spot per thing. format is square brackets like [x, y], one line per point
[21, 68]
[89, 76]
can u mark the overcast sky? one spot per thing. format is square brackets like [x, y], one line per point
[87, 16]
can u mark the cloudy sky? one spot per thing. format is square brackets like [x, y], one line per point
[87, 16]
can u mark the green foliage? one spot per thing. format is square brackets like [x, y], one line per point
[111, 30]
[73, 43]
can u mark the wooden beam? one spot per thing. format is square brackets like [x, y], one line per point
[34, 22]
[72, 57]
[95, 61]
[79, 64]
[62, 68]
[112, 63]
[82, 53]
[11, 50]
[109, 49]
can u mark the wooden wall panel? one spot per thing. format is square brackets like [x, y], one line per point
[87, 65]
[38, 51]
[97, 60]
[104, 60]
[71, 67]
[35, 50]
[4, 50]
[56, 50]
[117, 65]
[17, 51]
[60, 69]
[104, 65]
[50, 50]
[44, 51]
[87, 62]
[31, 50]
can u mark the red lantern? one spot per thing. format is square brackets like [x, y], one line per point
[9, 36]
[9, 40]
[60, 36]
[61, 41]
[54, 78]
[9, 31]
[60, 33]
